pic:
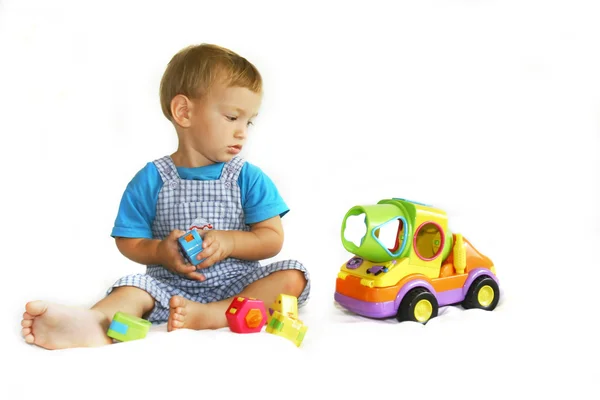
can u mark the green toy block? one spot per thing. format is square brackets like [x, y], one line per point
[125, 327]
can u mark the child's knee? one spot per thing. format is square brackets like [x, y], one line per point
[294, 282]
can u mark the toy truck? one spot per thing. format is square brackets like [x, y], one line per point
[427, 267]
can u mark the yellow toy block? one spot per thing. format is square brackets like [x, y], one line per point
[289, 328]
[286, 305]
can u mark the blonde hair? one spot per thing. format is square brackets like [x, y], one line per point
[193, 70]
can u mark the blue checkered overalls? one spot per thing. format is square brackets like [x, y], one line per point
[179, 204]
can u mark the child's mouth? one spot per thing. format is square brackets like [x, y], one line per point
[234, 149]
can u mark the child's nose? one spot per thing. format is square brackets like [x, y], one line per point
[240, 133]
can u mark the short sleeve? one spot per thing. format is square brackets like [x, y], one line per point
[138, 205]
[260, 198]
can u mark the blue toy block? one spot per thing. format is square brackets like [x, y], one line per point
[191, 246]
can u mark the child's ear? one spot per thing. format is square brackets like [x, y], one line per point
[180, 109]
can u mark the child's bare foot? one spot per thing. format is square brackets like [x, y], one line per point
[53, 326]
[186, 314]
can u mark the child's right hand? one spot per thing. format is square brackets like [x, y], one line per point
[170, 258]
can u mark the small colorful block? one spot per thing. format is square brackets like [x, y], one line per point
[125, 327]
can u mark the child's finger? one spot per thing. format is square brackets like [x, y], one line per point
[176, 233]
[209, 261]
[203, 232]
[185, 268]
[207, 252]
[207, 242]
[196, 276]
[204, 264]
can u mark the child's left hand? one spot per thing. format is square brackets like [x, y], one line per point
[217, 245]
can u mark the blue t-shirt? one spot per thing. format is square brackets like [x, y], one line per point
[260, 197]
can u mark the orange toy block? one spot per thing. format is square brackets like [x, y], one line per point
[246, 315]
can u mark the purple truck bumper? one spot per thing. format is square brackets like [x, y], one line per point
[389, 308]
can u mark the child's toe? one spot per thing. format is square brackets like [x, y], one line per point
[177, 301]
[176, 324]
[35, 308]
[178, 317]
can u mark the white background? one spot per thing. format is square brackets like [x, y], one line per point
[487, 109]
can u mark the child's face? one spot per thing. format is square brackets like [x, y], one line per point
[220, 121]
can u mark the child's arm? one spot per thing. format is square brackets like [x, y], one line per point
[142, 251]
[264, 240]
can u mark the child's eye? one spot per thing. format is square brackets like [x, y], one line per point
[231, 118]
[250, 123]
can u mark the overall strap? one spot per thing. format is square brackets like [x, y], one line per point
[232, 169]
[166, 168]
